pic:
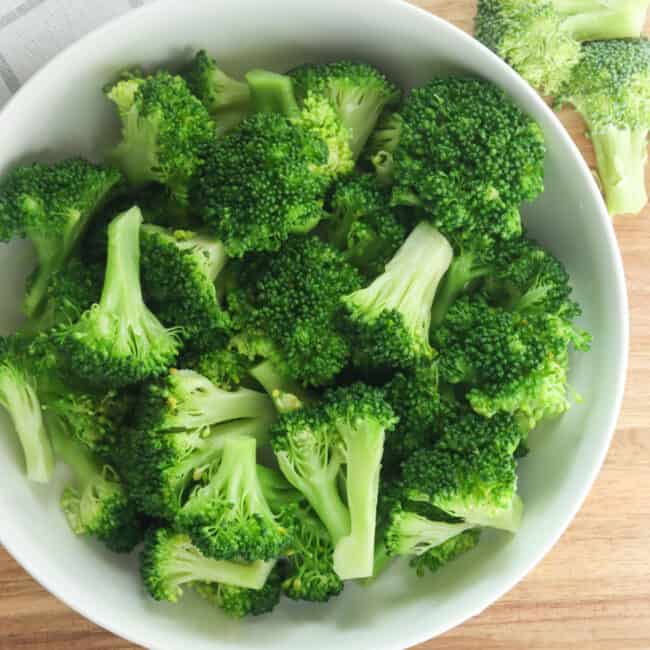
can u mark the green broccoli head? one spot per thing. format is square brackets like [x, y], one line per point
[170, 561]
[301, 285]
[468, 156]
[179, 271]
[19, 397]
[119, 341]
[258, 184]
[224, 365]
[470, 473]
[165, 131]
[183, 422]
[309, 574]
[610, 87]
[229, 518]
[52, 206]
[238, 602]
[97, 503]
[358, 92]
[362, 225]
[389, 320]
[227, 100]
[541, 39]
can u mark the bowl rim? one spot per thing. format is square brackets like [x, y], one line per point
[76, 601]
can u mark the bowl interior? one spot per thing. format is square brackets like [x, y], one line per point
[62, 111]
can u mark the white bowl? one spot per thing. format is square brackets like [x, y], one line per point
[62, 110]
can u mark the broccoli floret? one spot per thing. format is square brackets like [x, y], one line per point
[170, 561]
[415, 398]
[165, 130]
[301, 285]
[223, 365]
[258, 185]
[382, 144]
[310, 571]
[470, 473]
[541, 39]
[118, 341]
[70, 292]
[411, 533]
[238, 602]
[18, 395]
[446, 552]
[229, 518]
[468, 157]
[610, 87]
[313, 444]
[389, 320]
[182, 424]
[227, 100]
[362, 225]
[97, 503]
[52, 205]
[357, 91]
[272, 92]
[179, 271]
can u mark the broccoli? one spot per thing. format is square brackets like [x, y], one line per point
[610, 87]
[228, 518]
[238, 602]
[227, 101]
[412, 533]
[470, 473]
[52, 206]
[468, 157]
[179, 271]
[389, 319]
[362, 225]
[224, 365]
[169, 561]
[258, 185]
[118, 341]
[301, 285]
[440, 555]
[382, 144]
[182, 424]
[313, 444]
[309, 574]
[357, 91]
[18, 395]
[272, 93]
[541, 39]
[278, 492]
[165, 130]
[97, 503]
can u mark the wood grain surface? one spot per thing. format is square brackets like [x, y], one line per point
[592, 592]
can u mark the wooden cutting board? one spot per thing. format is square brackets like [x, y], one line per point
[592, 592]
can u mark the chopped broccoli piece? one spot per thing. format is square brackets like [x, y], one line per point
[446, 552]
[541, 39]
[610, 87]
[18, 395]
[238, 602]
[389, 320]
[227, 100]
[118, 341]
[179, 271]
[170, 561]
[97, 503]
[165, 130]
[271, 92]
[52, 206]
[470, 473]
[228, 518]
[301, 285]
[468, 157]
[182, 425]
[258, 184]
[358, 91]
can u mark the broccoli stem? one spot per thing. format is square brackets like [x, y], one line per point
[384, 165]
[360, 110]
[591, 20]
[461, 272]
[73, 453]
[354, 553]
[272, 93]
[621, 156]
[286, 394]
[19, 398]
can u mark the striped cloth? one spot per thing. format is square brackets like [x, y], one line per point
[33, 31]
